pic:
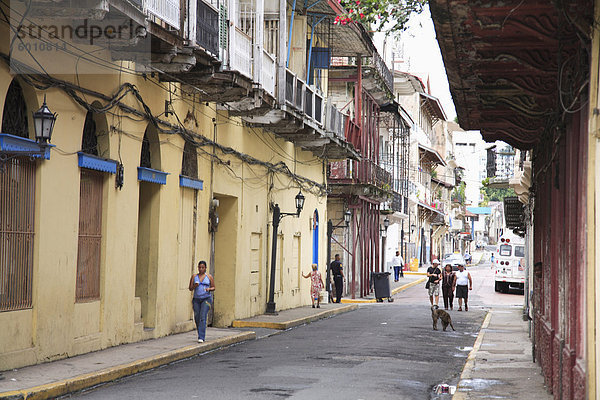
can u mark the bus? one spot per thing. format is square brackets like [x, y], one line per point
[509, 263]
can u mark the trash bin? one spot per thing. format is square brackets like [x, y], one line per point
[381, 282]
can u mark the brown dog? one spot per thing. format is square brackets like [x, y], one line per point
[436, 314]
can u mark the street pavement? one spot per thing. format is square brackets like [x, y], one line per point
[378, 350]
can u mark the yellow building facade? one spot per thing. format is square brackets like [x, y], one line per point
[150, 235]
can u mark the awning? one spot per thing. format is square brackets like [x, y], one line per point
[429, 208]
[444, 184]
[432, 155]
[433, 106]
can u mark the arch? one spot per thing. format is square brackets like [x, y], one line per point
[95, 133]
[189, 162]
[315, 241]
[150, 153]
[14, 116]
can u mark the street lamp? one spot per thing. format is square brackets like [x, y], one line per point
[383, 230]
[277, 216]
[43, 120]
[330, 229]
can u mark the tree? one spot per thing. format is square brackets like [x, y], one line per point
[383, 15]
[459, 193]
[494, 194]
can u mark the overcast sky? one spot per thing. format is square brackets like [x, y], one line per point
[424, 59]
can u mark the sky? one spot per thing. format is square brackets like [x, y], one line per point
[422, 57]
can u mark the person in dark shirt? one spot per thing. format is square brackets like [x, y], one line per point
[337, 272]
[434, 275]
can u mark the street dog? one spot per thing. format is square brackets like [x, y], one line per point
[436, 314]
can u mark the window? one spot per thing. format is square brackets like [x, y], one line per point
[519, 251]
[90, 220]
[17, 196]
[17, 200]
[505, 250]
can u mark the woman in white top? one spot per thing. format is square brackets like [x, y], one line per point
[463, 278]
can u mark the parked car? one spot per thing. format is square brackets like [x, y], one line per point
[455, 260]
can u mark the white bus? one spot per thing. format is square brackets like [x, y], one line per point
[509, 263]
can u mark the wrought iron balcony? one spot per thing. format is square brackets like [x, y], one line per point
[364, 172]
[167, 10]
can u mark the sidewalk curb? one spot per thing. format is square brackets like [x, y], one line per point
[296, 322]
[394, 291]
[77, 383]
[468, 368]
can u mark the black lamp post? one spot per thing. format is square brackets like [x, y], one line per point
[330, 229]
[277, 216]
[43, 120]
[386, 224]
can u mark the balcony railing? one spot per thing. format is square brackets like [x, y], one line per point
[242, 53]
[303, 98]
[166, 10]
[269, 71]
[364, 172]
[334, 120]
[207, 27]
[384, 71]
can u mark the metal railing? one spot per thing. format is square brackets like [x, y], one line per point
[363, 172]
[207, 27]
[303, 98]
[242, 53]
[166, 10]
[334, 120]
[383, 70]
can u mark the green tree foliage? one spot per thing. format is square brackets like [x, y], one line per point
[494, 194]
[459, 193]
[383, 15]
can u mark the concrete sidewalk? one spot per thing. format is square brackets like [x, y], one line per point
[61, 377]
[500, 364]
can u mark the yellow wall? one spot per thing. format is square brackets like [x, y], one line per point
[57, 326]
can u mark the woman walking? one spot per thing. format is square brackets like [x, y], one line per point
[202, 284]
[448, 285]
[316, 284]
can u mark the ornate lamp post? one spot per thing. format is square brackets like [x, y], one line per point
[383, 230]
[277, 216]
[330, 229]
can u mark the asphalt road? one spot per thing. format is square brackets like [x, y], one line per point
[380, 351]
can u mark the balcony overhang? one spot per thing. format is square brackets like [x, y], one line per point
[442, 183]
[347, 40]
[502, 62]
[433, 106]
[293, 126]
[430, 155]
[426, 212]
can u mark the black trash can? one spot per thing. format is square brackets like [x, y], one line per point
[381, 282]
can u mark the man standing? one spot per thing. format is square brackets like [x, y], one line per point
[462, 279]
[435, 275]
[398, 263]
[338, 277]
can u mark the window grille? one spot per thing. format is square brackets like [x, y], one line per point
[90, 235]
[17, 200]
[145, 158]
[14, 117]
[89, 143]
